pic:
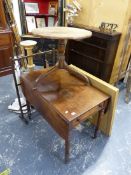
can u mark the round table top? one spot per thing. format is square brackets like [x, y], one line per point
[62, 33]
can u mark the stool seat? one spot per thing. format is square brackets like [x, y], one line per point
[28, 43]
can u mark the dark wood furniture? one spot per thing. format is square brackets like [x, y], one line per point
[6, 43]
[6, 52]
[63, 100]
[95, 55]
[3, 23]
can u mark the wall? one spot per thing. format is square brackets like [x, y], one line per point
[96, 11]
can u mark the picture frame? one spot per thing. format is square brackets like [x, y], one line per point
[53, 8]
[40, 22]
[31, 23]
[51, 21]
[31, 7]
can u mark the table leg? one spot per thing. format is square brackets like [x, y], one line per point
[61, 64]
[128, 87]
[28, 109]
[67, 149]
[43, 76]
[101, 113]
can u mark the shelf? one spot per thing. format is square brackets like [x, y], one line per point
[40, 15]
[84, 55]
[93, 45]
[30, 36]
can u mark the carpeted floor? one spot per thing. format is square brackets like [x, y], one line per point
[36, 149]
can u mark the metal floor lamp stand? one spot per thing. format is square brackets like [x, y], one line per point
[128, 84]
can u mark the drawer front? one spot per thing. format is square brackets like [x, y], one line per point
[85, 116]
[5, 39]
[97, 41]
[89, 50]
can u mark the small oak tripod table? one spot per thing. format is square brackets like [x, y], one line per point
[63, 96]
[62, 34]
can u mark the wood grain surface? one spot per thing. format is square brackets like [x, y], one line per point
[61, 33]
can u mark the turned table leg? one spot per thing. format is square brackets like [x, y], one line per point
[61, 64]
[101, 113]
[67, 150]
[128, 87]
[28, 109]
[67, 146]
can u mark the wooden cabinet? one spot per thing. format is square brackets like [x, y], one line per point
[6, 50]
[3, 23]
[95, 55]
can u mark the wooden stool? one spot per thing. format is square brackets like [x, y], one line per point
[28, 45]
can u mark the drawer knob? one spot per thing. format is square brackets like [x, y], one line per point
[78, 119]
